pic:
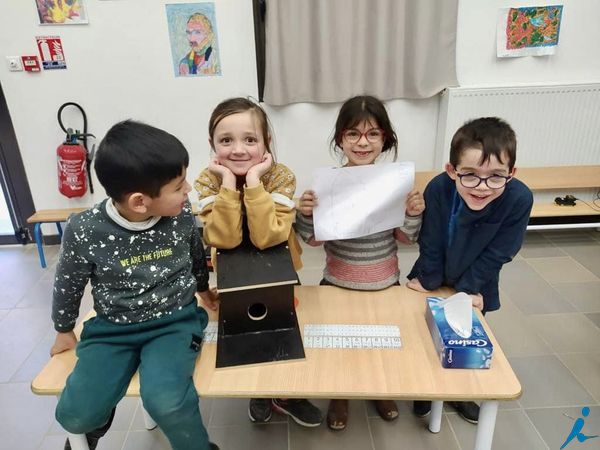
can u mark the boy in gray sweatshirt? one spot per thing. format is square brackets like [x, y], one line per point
[141, 251]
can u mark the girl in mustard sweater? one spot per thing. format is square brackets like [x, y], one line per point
[244, 190]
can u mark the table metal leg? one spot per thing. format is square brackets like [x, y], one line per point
[435, 419]
[59, 230]
[487, 422]
[37, 232]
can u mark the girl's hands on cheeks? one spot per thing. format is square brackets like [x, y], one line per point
[308, 201]
[257, 171]
[216, 168]
[415, 203]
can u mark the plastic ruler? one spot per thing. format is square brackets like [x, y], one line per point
[336, 336]
[352, 336]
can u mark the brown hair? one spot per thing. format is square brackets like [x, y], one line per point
[492, 135]
[360, 109]
[238, 105]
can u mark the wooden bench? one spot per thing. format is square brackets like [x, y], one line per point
[49, 216]
[562, 179]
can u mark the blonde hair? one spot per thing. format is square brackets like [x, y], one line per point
[201, 18]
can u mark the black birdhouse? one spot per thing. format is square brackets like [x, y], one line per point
[257, 318]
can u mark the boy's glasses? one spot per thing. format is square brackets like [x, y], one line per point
[373, 135]
[470, 180]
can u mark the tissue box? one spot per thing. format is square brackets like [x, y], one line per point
[456, 352]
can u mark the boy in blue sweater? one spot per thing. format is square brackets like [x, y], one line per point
[142, 253]
[474, 223]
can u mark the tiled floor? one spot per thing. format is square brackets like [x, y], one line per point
[549, 327]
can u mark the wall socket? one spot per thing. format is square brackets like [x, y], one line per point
[14, 63]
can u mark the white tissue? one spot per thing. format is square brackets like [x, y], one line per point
[458, 310]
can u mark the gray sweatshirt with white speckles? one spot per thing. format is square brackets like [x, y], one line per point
[136, 276]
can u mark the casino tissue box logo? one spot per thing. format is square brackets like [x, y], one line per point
[468, 342]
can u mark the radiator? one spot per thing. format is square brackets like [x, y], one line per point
[555, 125]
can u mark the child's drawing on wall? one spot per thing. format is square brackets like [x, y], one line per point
[61, 12]
[529, 30]
[193, 35]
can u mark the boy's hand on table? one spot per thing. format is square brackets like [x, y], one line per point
[210, 298]
[416, 285]
[308, 201]
[477, 301]
[415, 203]
[63, 342]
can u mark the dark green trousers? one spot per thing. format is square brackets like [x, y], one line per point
[164, 350]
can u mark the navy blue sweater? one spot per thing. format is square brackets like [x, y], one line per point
[482, 241]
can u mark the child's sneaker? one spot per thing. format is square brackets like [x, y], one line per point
[94, 436]
[387, 409]
[259, 410]
[467, 410]
[301, 410]
[421, 408]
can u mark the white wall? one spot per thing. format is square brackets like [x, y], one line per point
[119, 66]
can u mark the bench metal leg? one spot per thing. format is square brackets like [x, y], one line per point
[59, 228]
[487, 422]
[78, 441]
[149, 422]
[435, 419]
[37, 232]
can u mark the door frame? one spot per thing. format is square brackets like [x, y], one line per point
[14, 179]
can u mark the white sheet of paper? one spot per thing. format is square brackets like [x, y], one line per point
[362, 200]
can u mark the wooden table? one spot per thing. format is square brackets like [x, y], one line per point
[412, 372]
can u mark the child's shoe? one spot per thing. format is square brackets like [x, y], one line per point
[467, 410]
[421, 408]
[259, 410]
[387, 409]
[337, 414]
[94, 436]
[301, 410]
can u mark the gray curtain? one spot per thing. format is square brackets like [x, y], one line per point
[329, 50]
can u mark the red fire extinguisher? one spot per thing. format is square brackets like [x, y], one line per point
[73, 159]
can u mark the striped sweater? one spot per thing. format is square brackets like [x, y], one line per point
[366, 263]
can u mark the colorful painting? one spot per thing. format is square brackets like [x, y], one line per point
[529, 30]
[194, 42]
[61, 12]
